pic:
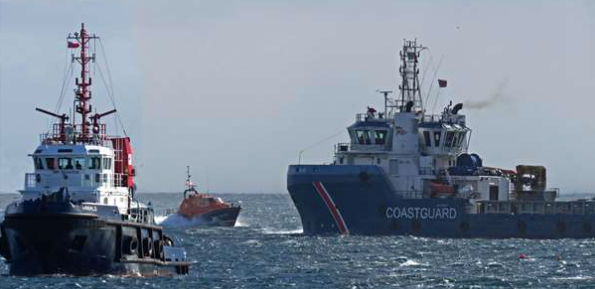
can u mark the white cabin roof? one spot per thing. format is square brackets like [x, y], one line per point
[65, 149]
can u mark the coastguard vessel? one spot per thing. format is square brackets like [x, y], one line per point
[77, 214]
[406, 172]
[203, 209]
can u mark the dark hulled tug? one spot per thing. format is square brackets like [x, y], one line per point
[77, 214]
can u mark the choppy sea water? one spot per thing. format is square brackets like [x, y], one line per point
[267, 250]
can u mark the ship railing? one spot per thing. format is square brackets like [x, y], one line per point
[73, 134]
[118, 180]
[580, 207]
[361, 117]
[432, 118]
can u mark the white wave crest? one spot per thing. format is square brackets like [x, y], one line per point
[270, 231]
[177, 221]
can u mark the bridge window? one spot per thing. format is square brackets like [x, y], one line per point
[65, 163]
[79, 163]
[427, 138]
[363, 137]
[437, 138]
[380, 137]
[95, 163]
[50, 163]
[38, 163]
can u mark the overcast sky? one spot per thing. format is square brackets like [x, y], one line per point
[236, 88]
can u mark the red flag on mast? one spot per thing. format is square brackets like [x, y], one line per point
[441, 83]
[73, 44]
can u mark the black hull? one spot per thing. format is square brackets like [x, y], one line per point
[83, 244]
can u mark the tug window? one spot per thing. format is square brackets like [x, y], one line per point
[50, 163]
[380, 137]
[65, 163]
[79, 163]
[95, 163]
[38, 164]
[427, 138]
[107, 164]
[437, 138]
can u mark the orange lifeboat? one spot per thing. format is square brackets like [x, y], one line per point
[212, 210]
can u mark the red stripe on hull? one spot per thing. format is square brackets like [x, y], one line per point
[320, 189]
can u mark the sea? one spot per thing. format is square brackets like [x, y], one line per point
[268, 250]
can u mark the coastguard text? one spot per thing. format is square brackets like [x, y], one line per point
[421, 213]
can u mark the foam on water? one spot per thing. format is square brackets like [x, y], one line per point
[177, 221]
[270, 231]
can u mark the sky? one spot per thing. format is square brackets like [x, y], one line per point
[235, 89]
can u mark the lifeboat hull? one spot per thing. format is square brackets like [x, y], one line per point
[224, 217]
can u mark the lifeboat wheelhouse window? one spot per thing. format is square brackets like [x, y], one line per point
[380, 137]
[65, 164]
[50, 163]
[427, 138]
